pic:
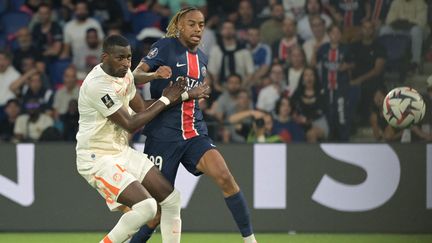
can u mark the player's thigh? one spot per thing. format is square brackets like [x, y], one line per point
[113, 182]
[194, 152]
[213, 164]
[166, 156]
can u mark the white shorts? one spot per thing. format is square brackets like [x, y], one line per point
[111, 174]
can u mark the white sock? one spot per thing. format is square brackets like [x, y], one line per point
[250, 239]
[131, 221]
[170, 218]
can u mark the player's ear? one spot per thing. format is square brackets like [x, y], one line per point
[104, 55]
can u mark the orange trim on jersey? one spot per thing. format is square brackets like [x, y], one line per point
[121, 168]
[114, 190]
[106, 239]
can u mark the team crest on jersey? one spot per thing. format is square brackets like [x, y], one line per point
[106, 99]
[152, 53]
[203, 71]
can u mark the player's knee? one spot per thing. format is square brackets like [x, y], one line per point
[225, 179]
[147, 209]
[172, 199]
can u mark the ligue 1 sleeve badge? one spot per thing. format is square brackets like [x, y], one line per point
[204, 71]
[152, 53]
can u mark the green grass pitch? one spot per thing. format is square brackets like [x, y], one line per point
[223, 238]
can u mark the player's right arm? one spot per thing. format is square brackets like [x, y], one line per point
[132, 123]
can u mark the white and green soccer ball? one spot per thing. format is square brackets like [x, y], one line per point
[403, 107]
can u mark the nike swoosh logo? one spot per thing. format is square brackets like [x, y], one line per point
[180, 64]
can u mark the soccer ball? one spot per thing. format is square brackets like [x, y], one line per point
[403, 106]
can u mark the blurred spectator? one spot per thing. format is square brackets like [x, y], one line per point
[240, 122]
[304, 25]
[261, 54]
[367, 76]
[350, 14]
[309, 104]
[294, 9]
[174, 5]
[29, 68]
[65, 12]
[246, 19]
[30, 6]
[68, 92]
[281, 48]
[379, 10]
[287, 129]
[208, 39]
[269, 94]
[225, 104]
[7, 75]
[297, 63]
[35, 90]
[334, 62]
[382, 131]
[76, 29]
[106, 11]
[228, 57]
[89, 55]
[12, 110]
[47, 34]
[30, 126]
[319, 38]
[408, 17]
[262, 130]
[271, 29]
[25, 48]
[70, 120]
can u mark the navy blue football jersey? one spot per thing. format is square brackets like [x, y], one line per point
[184, 120]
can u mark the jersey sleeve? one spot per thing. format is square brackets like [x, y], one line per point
[157, 55]
[103, 98]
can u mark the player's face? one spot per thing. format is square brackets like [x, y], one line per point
[119, 61]
[192, 27]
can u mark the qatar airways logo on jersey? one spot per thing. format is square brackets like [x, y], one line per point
[190, 83]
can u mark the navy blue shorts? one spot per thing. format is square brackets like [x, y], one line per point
[168, 155]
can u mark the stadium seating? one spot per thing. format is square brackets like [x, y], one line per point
[56, 70]
[13, 21]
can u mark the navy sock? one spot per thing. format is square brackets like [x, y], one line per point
[240, 212]
[143, 235]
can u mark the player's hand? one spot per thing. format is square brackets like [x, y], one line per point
[201, 91]
[163, 72]
[173, 91]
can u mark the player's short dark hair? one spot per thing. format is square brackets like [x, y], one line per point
[114, 40]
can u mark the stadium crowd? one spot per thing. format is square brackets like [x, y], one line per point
[280, 71]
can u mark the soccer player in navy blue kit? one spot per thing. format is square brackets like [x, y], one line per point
[179, 134]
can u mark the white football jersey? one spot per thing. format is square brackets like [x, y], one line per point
[100, 96]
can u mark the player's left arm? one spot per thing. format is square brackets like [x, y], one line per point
[142, 73]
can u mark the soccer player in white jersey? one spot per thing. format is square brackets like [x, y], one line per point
[122, 175]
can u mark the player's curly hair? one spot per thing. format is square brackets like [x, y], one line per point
[172, 29]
